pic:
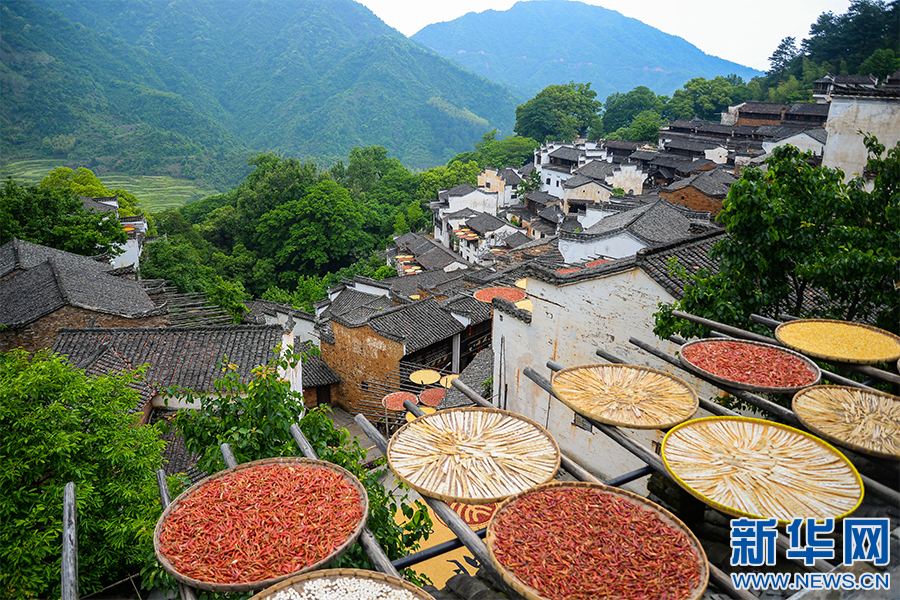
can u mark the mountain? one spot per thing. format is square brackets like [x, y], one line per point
[542, 42]
[172, 85]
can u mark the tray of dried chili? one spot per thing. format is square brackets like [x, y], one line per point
[577, 540]
[473, 455]
[759, 469]
[250, 526]
[867, 421]
[840, 341]
[507, 293]
[749, 365]
[626, 395]
[347, 584]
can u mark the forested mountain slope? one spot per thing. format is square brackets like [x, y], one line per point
[536, 44]
[222, 78]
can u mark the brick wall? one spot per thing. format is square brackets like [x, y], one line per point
[42, 333]
[359, 355]
[693, 199]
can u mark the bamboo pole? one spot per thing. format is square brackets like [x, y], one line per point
[69, 567]
[185, 591]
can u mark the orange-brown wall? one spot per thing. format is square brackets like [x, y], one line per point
[693, 199]
[42, 333]
[359, 355]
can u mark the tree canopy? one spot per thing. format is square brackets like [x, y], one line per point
[53, 216]
[802, 241]
[559, 112]
[59, 426]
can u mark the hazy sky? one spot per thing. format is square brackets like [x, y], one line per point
[743, 32]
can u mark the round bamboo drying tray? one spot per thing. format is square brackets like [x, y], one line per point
[626, 395]
[425, 409]
[815, 374]
[447, 380]
[839, 341]
[298, 582]
[863, 420]
[395, 400]
[509, 293]
[754, 468]
[573, 564]
[432, 396]
[425, 376]
[473, 455]
[303, 463]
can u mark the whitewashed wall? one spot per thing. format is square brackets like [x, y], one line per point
[849, 115]
[617, 246]
[569, 324]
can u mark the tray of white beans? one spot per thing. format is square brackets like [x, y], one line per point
[343, 584]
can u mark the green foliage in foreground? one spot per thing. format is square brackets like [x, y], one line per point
[53, 216]
[255, 418]
[798, 229]
[59, 426]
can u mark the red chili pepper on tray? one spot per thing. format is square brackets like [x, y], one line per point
[750, 364]
[585, 544]
[259, 523]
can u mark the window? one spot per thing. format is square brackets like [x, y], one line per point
[548, 181]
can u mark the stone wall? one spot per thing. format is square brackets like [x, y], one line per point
[42, 333]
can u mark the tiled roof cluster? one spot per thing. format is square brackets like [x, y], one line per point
[416, 325]
[429, 253]
[714, 183]
[484, 223]
[106, 361]
[54, 284]
[463, 304]
[510, 176]
[17, 254]
[353, 304]
[597, 169]
[184, 357]
[656, 223]
[316, 371]
[517, 239]
[692, 254]
[809, 108]
[260, 308]
[432, 281]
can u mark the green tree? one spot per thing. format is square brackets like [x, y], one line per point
[255, 417]
[643, 128]
[880, 63]
[783, 55]
[796, 228]
[53, 216]
[323, 228]
[177, 262]
[511, 151]
[620, 110]
[82, 182]
[703, 98]
[443, 178]
[400, 224]
[531, 183]
[559, 112]
[60, 426]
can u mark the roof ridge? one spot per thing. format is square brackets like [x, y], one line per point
[58, 279]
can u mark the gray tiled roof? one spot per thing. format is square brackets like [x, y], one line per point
[692, 145]
[510, 176]
[416, 326]
[349, 302]
[407, 285]
[692, 254]
[19, 254]
[539, 197]
[576, 181]
[566, 153]
[316, 371]
[817, 133]
[483, 223]
[622, 145]
[176, 457]
[93, 205]
[762, 108]
[597, 169]
[714, 183]
[187, 357]
[517, 239]
[51, 285]
[656, 223]
[554, 214]
[106, 361]
[809, 108]
[259, 308]
[467, 306]
[461, 190]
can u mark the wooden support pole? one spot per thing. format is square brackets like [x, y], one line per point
[367, 539]
[453, 521]
[186, 592]
[69, 568]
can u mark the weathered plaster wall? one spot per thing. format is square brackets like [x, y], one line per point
[849, 115]
[589, 191]
[628, 177]
[478, 200]
[569, 323]
[42, 333]
[801, 141]
[358, 355]
[617, 246]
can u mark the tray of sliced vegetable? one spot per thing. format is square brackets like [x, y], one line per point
[749, 365]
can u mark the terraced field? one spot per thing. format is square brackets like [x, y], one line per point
[155, 192]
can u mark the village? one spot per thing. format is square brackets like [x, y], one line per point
[560, 263]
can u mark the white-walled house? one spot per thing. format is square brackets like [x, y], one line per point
[572, 316]
[809, 140]
[503, 182]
